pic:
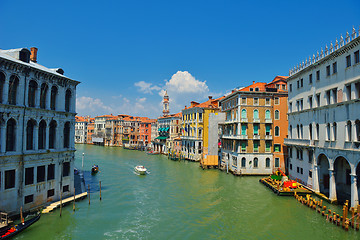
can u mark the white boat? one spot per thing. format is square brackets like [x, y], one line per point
[140, 170]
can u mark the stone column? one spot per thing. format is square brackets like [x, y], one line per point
[354, 191]
[47, 136]
[332, 187]
[6, 92]
[3, 138]
[37, 96]
[47, 100]
[316, 178]
[36, 137]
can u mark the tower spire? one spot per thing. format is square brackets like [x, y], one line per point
[166, 109]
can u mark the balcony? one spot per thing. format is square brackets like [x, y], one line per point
[244, 120]
[256, 137]
[299, 142]
[268, 137]
[256, 120]
[268, 121]
[235, 137]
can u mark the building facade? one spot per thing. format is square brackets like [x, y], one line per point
[36, 132]
[255, 127]
[81, 129]
[324, 120]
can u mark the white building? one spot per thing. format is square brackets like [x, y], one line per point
[324, 126]
[81, 129]
[36, 132]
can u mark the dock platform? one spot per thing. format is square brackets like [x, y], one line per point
[277, 189]
[65, 201]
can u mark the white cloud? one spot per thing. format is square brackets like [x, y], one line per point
[147, 87]
[91, 105]
[184, 82]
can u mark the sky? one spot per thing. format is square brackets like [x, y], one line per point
[127, 53]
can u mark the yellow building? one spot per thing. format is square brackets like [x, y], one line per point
[195, 137]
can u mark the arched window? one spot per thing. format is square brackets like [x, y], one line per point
[328, 131]
[256, 162]
[13, 86]
[317, 131]
[42, 134]
[67, 100]
[243, 113]
[32, 93]
[243, 162]
[334, 131]
[52, 134]
[277, 131]
[11, 135]
[2, 82]
[277, 115]
[301, 131]
[43, 93]
[267, 163]
[290, 131]
[256, 114]
[30, 134]
[298, 131]
[310, 132]
[54, 92]
[67, 135]
[267, 114]
[348, 131]
[357, 129]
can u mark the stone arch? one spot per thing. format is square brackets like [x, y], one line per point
[53, 97]
[42, 134]
[30, 131]
[33, 85]
[43, 95]
[11, 129]
[68, 98]
[342, 171]
[323, 164]
[52, 134]
[13, 89]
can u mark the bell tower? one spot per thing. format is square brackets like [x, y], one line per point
[166, 109]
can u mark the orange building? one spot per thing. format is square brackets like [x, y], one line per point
[255, 127]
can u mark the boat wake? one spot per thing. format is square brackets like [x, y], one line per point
[136, 173]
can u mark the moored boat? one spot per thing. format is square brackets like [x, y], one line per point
[10, 231]
[94, 169]
[140, 170]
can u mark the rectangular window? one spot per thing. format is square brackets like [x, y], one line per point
[277, 147]
[348, 61]
[348, 92]
[267, 130]
[290, 87]
[51, 172]
[318, 75]
[256, 101]
[267, 163]
[310, 79]
[40, 174]
[318, 100]
[356, 57]
[310, 102]
[277, 162]
[243, 162]
[9, 179]
[243, 129]
[66, 169]
[290, 166]
[301, 82]
[267, 146]
[328, 70]
[298, 84]
[50, 193]
[66, 188]
[29, 176]
[297, 169]
[301, 170]
[334, 95]
[267, 101]
[310, 174]
[276, 101]
[243, 100]
[243, 147]
[256, 129]
[334, 67]
[256, 146]
[327, 94]
[29, 199]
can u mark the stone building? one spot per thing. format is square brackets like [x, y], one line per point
[37, 106]
[255, 127]
[324, 120]
[81, 129]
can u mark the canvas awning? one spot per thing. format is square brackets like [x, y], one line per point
[161, 138]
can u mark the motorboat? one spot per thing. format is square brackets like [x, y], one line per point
[140, 170]
[94, 169]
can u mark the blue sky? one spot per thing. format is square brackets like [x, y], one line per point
[125, 53]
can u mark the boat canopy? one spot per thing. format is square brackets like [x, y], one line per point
[161, 138]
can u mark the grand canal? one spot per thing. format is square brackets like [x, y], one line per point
[177, 200]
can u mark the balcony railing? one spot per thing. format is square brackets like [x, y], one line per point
[256, 137]
[298, 142]
[268, 120]
[268, 137]
[256, 120]
[244, 120]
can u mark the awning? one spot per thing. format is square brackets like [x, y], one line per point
[161, 138]
[166, 129]
[160, 129]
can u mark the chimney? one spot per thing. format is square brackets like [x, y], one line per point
[210, 97]
[253, 82]
[33, 56]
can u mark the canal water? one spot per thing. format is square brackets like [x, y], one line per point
[177, 200]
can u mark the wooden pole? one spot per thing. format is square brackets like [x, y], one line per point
[74, 201]
[21, 215]
[60, 202]
[100, 189]
[89, 193]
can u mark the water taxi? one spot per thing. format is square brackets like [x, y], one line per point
[140, 170]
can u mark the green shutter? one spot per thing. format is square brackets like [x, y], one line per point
[268, 128]
[256, 129]
[267, 114]
[243, 129]
[267, 146]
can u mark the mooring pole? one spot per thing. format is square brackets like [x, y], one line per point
[74, 201]
[100, 189]
[89, 193]
[60, 202]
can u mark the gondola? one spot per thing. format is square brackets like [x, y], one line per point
[10, 231]
[94, 169]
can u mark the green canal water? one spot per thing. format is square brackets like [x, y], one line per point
[177, 200]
